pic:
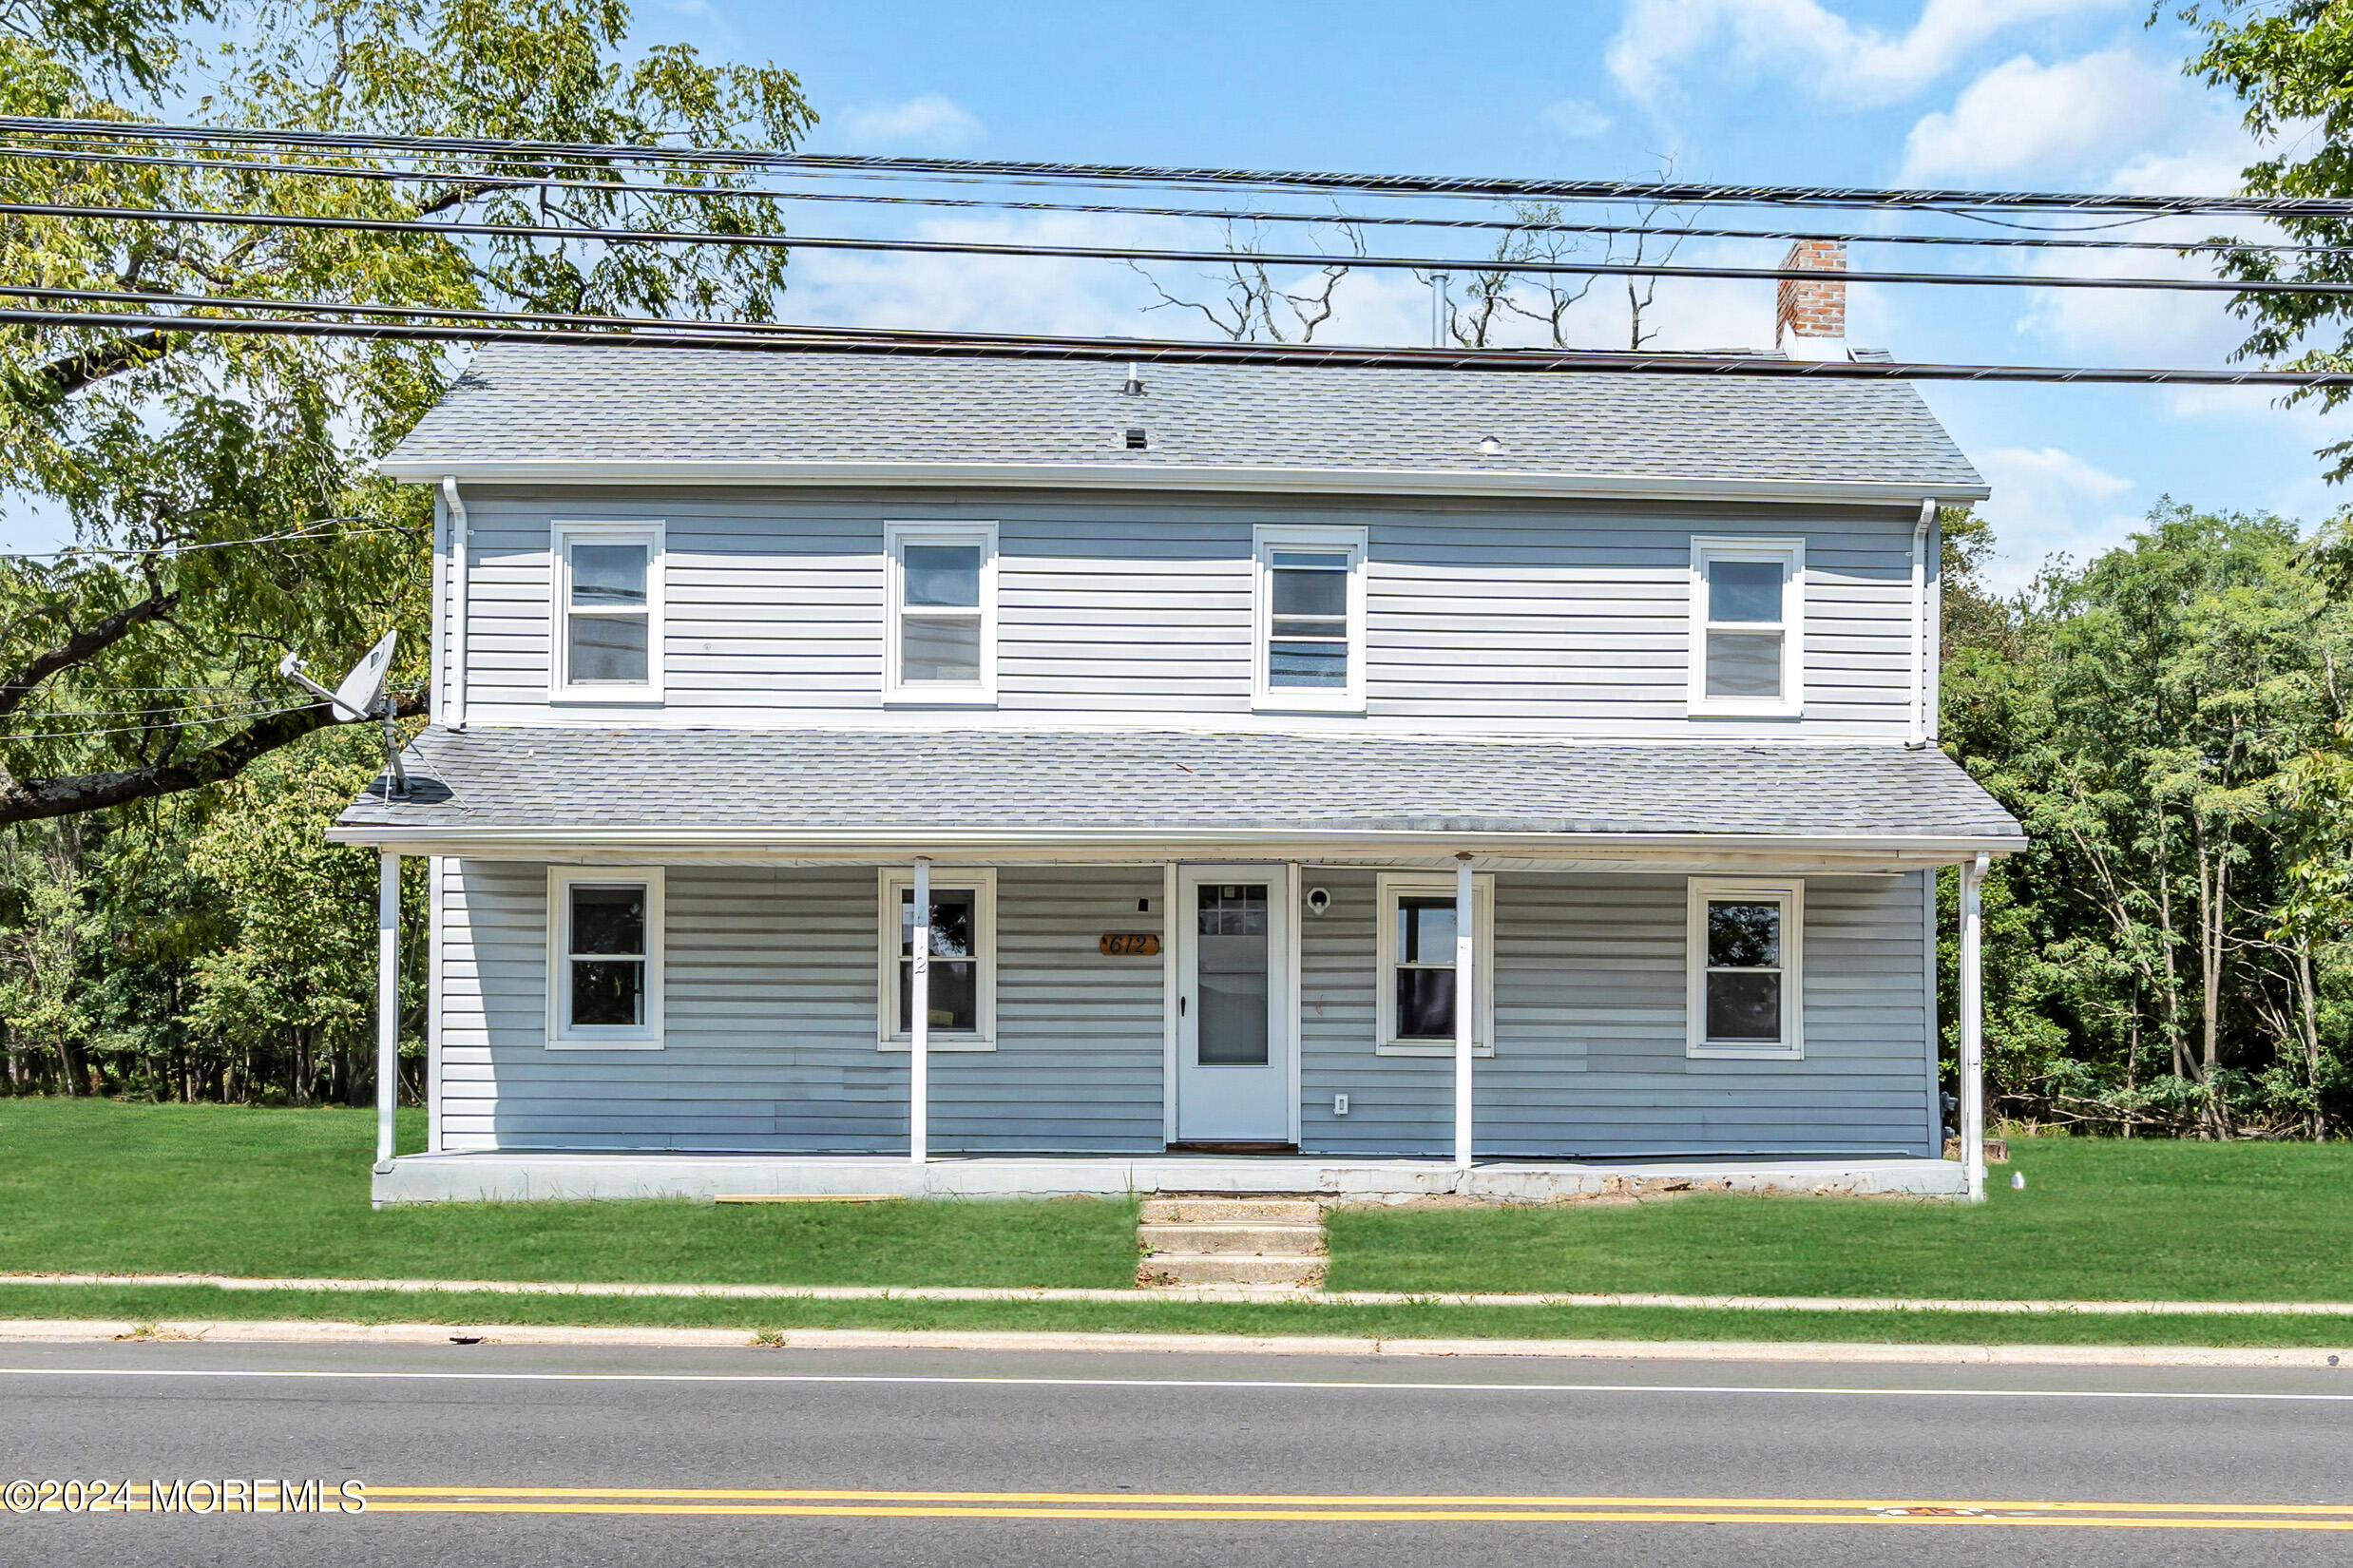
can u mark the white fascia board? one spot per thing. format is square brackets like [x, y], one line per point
[1148, 476]
[1269, 844]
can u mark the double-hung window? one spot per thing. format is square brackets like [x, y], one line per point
[1309, 603]
[605, 958]
[962, 1011]
[942, 593]
[1748, 626]
[606, 621]
[1743, 952]
[1416, 957]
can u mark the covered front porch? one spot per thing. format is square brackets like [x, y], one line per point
[1722, 971]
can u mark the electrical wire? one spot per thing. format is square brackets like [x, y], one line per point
[1603, 268]
[1225, 215]
[1669, 193]
[178, 724]
[770, 337]
[115, 552]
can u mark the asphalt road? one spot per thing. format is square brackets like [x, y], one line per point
[474, 1454]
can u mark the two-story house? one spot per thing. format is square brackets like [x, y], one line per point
[875, 774]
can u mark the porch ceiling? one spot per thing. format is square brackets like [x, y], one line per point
[827, 793]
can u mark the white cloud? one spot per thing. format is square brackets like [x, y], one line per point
[1576, 117]
[1661, 41]
[2025, 114]
[930, 124]
[2046, 502]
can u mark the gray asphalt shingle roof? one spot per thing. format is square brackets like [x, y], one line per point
[859, 781]
[545, 405]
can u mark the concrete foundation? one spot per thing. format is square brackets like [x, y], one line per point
[518, 1177]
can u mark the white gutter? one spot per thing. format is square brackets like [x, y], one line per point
[1918, 736]
[1168, 477]
[460, 530]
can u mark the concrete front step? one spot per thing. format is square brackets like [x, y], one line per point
[1212, 1211]
[1258, 1240]
[1227, 1269]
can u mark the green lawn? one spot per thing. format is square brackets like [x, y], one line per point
[2100, 1218]
[104, 1186]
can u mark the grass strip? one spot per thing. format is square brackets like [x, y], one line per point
[1145, 1315]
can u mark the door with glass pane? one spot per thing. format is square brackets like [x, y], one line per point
[1234, 1023]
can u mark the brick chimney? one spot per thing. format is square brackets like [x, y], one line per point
[1810, 316]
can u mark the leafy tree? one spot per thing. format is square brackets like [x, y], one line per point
[143, 663]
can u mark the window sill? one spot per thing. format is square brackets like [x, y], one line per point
[939, 699]
[572, 1044]
[1761, 710]
[1432, 1047]
[1267, 702]
[1742, 1052]
[618, 697]
[934, 1046]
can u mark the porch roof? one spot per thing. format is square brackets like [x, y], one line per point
[835, 789]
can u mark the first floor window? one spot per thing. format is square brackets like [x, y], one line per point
[1748, 616]
[963, 923]
[1744, 940]
[607, 624]
[606, 957]
[1419, 993]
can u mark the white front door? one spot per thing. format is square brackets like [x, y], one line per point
[1234, 1023]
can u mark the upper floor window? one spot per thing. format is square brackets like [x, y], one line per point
[1309, 600]
[605, 958]
[942, 631]
[607, 618]
[1743, 949]
[1748, 626]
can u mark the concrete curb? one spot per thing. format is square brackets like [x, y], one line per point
[1228, 1294]
[58, 1331]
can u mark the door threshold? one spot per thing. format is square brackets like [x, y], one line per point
[1232, 1148]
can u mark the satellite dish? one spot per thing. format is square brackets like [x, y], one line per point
[360, 691]
[360, 696]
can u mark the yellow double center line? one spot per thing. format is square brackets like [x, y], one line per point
[1358, 1509]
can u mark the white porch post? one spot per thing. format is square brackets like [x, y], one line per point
[1973, 1030]
[1465, 1008]
[919, 1021]
[386, 1005]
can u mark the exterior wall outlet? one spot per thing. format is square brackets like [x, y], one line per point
[1339, 1105]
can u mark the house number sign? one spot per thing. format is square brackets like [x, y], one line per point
[1130, 945]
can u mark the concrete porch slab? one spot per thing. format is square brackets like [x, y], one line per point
[520, 1175]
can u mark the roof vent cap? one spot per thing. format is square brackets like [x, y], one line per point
[1134, 385]
[1137, 440]
[1490, 447]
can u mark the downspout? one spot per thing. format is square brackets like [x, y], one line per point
[1916, 736]
[460, 530]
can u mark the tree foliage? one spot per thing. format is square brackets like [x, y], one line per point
[215, 485]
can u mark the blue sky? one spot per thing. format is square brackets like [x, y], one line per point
[2018, 93]
[2077, 94]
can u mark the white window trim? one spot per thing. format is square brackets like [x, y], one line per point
[1791, 896]
[562, 537]
[892, 881]
[1789, 553]
[564, 1035]
[1392, 884]
[1263, 695]
[897, 691]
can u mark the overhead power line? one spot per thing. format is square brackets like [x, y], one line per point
[771, 337]
[142, 729]
[1027, 251]
[1672, 193]
[516, 179]
[151, 552]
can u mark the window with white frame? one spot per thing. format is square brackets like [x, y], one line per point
[1416, 957]
[606, 622]
[1748, 626]
[1309, 607]
[962, 1011]
[1743, 951]
[942, 593]
[605, 932]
